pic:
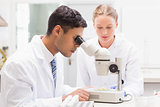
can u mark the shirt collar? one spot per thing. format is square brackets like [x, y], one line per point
[43, 49]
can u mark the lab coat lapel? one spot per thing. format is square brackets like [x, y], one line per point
[58, 89]
[59, 81]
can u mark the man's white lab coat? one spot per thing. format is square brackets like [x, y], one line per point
[27, 78]
[131, 73]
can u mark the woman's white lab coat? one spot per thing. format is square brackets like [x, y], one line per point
[27, 79]
[131, 73]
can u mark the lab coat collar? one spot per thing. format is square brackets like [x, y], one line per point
[47, 54]
[114, 43]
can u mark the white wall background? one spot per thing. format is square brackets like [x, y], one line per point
[4, 31]
[141, 26]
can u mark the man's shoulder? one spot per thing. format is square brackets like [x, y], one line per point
[18, 59]
[19, 64]
[25, 55]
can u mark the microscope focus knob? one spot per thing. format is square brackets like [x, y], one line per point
[113, 68]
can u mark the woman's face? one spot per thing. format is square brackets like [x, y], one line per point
[105, 27]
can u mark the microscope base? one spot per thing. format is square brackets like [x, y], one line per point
[109, 96]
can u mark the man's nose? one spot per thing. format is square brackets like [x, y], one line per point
[76, 45]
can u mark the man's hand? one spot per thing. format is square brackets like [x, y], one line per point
[83, 95]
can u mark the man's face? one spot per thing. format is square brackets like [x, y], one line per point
[66, 44]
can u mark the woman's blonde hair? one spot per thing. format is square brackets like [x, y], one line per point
[105, 10]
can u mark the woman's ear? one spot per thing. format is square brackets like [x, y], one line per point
[94, 26]
[116, 24]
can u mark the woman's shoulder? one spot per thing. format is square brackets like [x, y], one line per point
[121, 40]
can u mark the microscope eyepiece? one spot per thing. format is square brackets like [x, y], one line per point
[79, 40]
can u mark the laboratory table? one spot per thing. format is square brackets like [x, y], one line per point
[143, 101]
[124, 104]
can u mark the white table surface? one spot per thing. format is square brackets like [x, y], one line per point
[124, 104]
[147, 101]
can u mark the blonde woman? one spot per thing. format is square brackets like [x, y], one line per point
[105, 22]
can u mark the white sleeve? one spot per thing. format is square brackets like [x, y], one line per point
[16, 90]
[68, 89]
[134, 78]
[50, 102]
[83, 78]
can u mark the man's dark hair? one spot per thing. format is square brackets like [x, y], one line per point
[67, 18]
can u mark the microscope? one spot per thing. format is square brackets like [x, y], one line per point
[103, 67]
